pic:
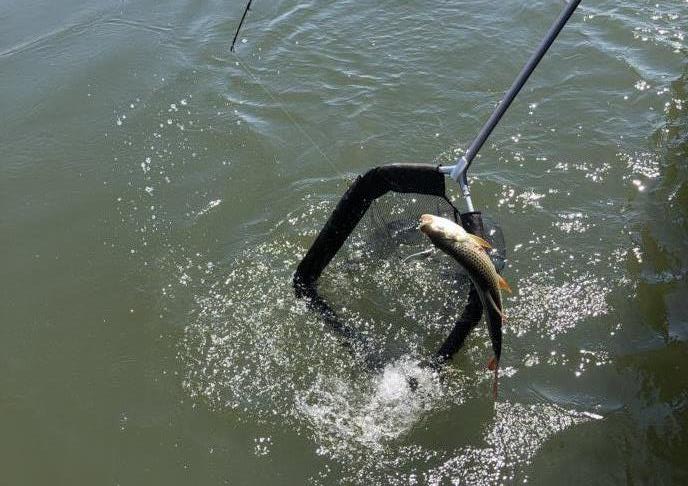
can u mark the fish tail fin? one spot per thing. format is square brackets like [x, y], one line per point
[492, 364]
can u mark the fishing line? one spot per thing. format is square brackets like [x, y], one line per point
[279, 105]
[274, 97]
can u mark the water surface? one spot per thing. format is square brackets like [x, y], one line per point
[157, 192]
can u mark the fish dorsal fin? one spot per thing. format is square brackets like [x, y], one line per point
[479, 241]
[503, 284]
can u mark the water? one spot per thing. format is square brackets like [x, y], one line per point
[157, 192]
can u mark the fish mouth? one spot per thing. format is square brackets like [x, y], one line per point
[425, 223]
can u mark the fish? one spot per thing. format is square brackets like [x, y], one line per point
[470, 251]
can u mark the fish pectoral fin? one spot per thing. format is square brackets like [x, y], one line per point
[479, 241]
[503, 284]
[495, 306]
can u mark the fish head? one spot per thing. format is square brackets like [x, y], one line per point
[439, 228]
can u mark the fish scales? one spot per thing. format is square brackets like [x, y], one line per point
[482, 273]
[469, 251]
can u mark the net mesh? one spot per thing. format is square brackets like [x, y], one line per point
[389, 282]
[389, 230]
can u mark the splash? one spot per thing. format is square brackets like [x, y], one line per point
[371, 413]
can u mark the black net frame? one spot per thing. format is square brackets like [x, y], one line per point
[423, 179]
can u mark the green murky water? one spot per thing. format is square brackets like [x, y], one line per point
[157, 191]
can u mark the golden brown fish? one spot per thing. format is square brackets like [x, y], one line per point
[470, 252]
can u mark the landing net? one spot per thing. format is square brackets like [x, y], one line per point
[386, 283]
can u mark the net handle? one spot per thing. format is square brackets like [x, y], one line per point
[461, 165]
